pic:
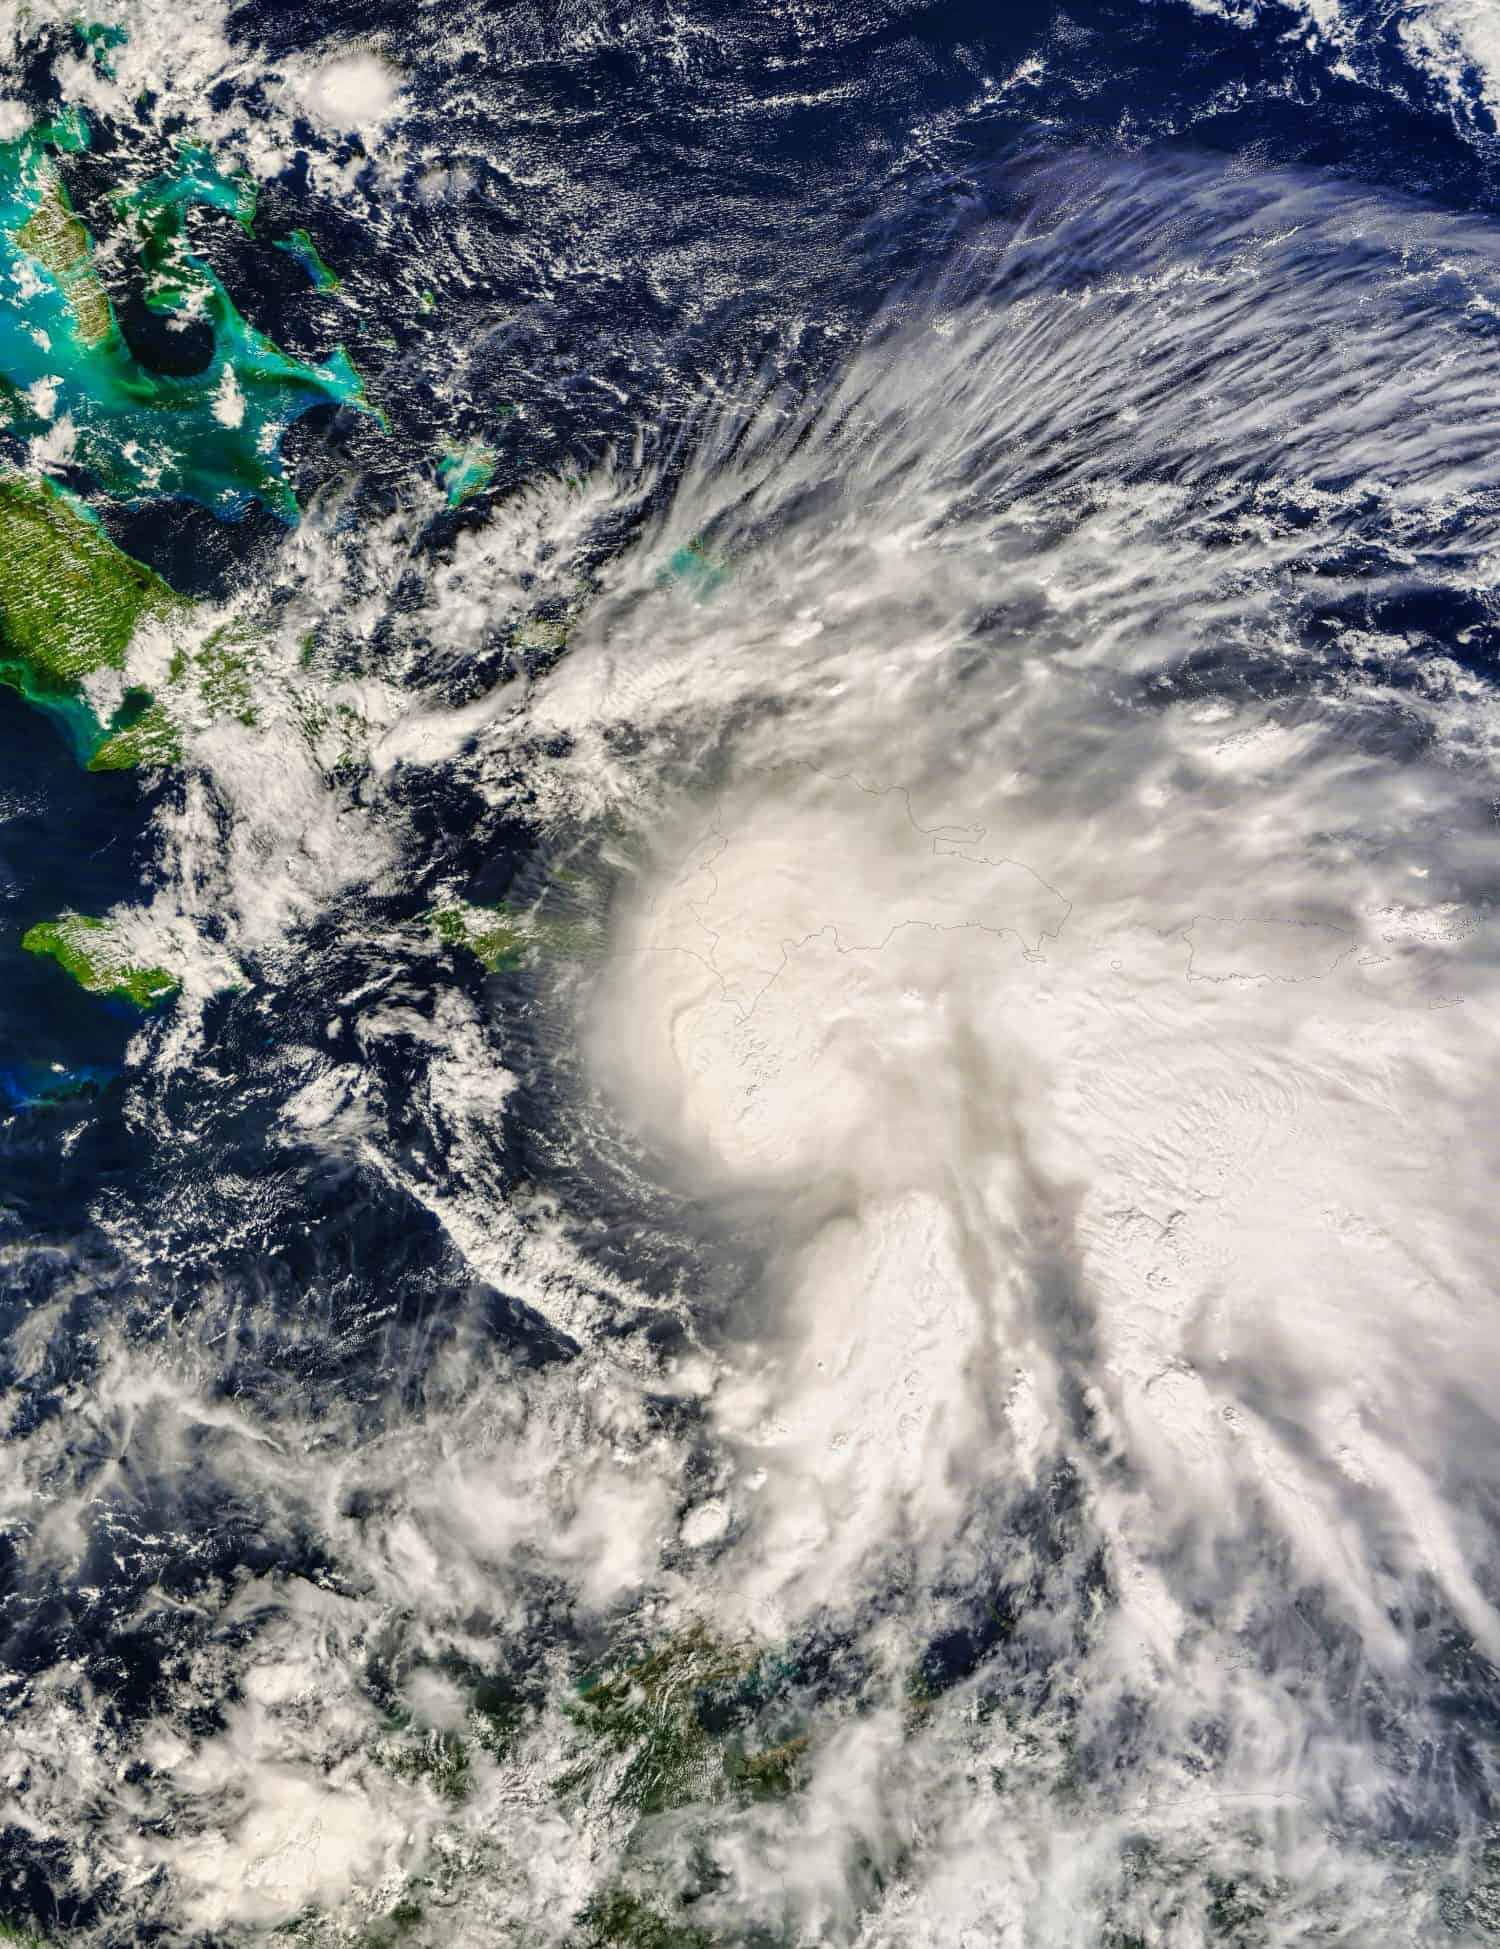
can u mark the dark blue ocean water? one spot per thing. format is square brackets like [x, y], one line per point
[725, 188]
[759, 196]
[762, 195]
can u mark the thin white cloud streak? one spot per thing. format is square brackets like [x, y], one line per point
[1193, 1187]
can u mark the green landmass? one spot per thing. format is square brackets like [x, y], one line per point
[222, 665]
[465, 471]
[545, 634]
[56, 239]
[70, 605]
[498, 937]
[70, 600]
[439, 1758]
[146, 737]
[682, 1724]
[650, 1712]
[88, 949]
[504, 936]
[623, 1921]
[27, 1938]
[213, 436]
[301, 246]
[335, 732]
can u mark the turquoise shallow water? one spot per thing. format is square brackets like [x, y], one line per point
[213, 437]
[352, 1596]
[71, 715]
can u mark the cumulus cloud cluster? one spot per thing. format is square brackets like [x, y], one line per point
[1047, 800]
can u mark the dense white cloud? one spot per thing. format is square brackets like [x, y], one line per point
[1021, 946]
[1051, 941]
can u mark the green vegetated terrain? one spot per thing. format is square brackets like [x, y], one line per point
[54, 237]
[71, 606]
[90, 950]
[27, 1938]
[683, 1734]
[301, 246]
[499, 939]
[71, 603]
[683, 1723]
[560, 925]
[466, 471]
[691, 1722]
[695, 1722]
[622, 1920]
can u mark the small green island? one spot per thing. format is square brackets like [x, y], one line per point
[504, 937]
[301, 246]
[497, 936]
[89, 950]
[466, 471]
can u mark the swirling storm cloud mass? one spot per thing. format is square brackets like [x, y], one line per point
[807, 1257]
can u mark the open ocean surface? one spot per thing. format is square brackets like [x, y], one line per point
[905, 1351]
